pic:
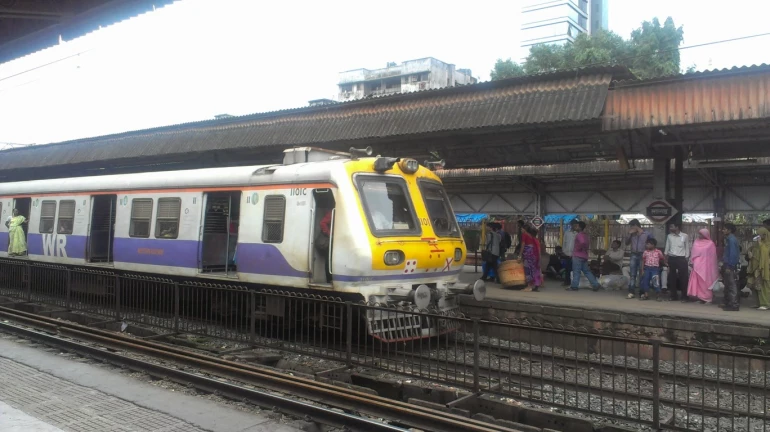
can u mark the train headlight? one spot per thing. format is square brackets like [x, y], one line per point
[409, 166]
[458, 254]
[393, 257]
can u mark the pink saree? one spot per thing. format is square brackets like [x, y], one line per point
[704, 267]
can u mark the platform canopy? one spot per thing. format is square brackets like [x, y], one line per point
[28, 26]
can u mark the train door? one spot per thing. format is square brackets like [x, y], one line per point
[219, 236]
[101, 232]
[23, 205]
[322, 234]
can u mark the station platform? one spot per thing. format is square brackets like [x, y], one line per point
[611, 310]
[45, 391]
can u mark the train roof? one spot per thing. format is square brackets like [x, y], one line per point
[198, 178]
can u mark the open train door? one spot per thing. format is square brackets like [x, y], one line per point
[219, 233]
[321, 238]
[23, 205]
[101, 229]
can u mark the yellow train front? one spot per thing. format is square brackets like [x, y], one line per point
[399, 247]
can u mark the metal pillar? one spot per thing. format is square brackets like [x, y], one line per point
[661, 168]
[678, 201]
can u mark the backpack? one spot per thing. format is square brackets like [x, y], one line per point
[506, 241]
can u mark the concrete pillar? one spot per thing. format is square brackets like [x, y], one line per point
[661, 169]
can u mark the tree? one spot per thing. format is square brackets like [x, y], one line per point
[549, 58]
[655, 49]
[506, 69]
[652, 50]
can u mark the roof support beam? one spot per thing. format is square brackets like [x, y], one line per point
[8, 13]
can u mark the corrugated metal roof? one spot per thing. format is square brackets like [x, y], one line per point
[573, 96]
[763, 67]
[22, 37]
[715, 96]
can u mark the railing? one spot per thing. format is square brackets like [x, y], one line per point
[643, 382]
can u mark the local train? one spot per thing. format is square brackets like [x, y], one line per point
[392, 235]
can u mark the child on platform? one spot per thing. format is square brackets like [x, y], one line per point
[652, 258]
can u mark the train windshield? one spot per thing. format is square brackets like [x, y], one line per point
[440, 213]
[388, 206]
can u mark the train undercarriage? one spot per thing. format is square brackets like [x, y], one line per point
[395, 319]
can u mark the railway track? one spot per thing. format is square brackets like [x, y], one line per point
[338, 402]
[519, 382]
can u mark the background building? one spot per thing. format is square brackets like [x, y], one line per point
[560, 21]
[409, 76]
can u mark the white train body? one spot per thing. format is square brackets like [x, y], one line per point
[171, 223]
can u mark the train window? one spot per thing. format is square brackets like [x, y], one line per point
[440, 212]
[167, 219]
[388, 206]
[66, 217]
[141, 216]
[272, 227]
[47, 216]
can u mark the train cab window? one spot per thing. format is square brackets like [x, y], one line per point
[388, 206]
[440, 212]
[47, 216]
[141, 216]
[66, 217]
[275, 211]
[167, 219]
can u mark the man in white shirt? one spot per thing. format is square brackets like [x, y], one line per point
[568, 245]
[678, 253]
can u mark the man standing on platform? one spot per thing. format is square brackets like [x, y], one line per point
[580, 259]
[491, 252]
[567, 246]
[730, 260]
[678, 253]
[637, 239]
[519, 228]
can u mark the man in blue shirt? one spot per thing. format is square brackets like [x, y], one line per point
[730, 260]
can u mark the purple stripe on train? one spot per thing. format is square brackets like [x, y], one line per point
[162, 252]
[57, 245]
[265, 259]
[254, 258]
[3, 242]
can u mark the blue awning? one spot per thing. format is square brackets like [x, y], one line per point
[566, 218]
[471, 217]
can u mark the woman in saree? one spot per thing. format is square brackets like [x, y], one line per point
[17, 242]
[759, 268]
[530, 257]
[705, 268]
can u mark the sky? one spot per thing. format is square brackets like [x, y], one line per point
[195, 59]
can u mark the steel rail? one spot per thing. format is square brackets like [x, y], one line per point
[529, 379]
[347, 399]
[290, 406]
[525, 381]
[642, 372]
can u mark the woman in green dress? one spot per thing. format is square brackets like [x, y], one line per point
[17, 245]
